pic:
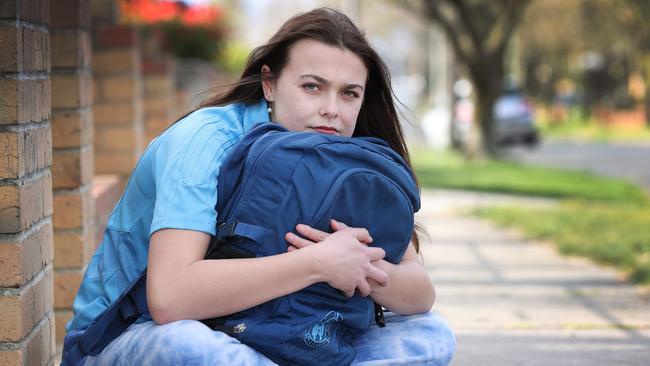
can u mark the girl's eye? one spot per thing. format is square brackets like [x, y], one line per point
[351, 93]
[310, 86]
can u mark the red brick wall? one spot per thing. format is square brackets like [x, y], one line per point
[72, 161]
[107, 190]
[117, 112]
[159, 94]
[26, 319]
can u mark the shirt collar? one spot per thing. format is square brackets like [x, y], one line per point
[255, 114]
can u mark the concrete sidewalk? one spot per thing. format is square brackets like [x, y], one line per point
[516, 302]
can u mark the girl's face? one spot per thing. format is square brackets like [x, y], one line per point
[320, 89]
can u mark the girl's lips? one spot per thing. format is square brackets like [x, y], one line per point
[325, 130]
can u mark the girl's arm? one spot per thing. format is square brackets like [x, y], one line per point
[409, 289]
[182, 285]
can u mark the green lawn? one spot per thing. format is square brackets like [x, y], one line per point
[612, 234]
[601, 218]
[443, 169]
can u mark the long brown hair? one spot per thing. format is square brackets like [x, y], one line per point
[378, 115]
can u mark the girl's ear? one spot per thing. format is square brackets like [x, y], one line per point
[267, 83]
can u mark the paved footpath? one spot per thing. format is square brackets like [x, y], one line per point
[512, 301]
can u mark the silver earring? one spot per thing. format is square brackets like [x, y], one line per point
[268, 102]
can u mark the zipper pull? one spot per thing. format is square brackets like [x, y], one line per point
[239, 328]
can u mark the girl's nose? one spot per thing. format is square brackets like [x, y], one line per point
[330, 109]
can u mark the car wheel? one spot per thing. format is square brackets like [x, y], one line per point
[532, 140]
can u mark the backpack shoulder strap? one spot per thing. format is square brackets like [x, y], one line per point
[233, 165]
[111, 323]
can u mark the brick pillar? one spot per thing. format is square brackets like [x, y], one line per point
[159, 95]
[105, 12]
[26, 316]
[72, 160]
[117, 110]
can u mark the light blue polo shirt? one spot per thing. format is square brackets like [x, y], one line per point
[174, 185]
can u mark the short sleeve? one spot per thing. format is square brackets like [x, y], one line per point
[186, 168]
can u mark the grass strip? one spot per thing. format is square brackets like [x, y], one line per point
[448, 170]
[612, 234]
[604, 219]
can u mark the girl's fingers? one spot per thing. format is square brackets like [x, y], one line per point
[361, 234]
[378, 276]
[337, 225]
[376, 253]
[364, 289]
[297, 241]
[310, 233]
[358, 232]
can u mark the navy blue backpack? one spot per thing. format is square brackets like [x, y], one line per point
[276, 179]
[271, 181]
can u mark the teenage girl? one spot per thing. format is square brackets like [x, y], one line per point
[319, 74]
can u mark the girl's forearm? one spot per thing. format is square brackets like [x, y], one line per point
[409, 289]
[182, 285]
[211, 288]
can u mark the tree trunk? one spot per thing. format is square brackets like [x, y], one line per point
[487, 78]
[485, 100]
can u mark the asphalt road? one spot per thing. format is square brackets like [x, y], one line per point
[629, 162]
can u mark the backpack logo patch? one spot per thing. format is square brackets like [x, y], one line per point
[318, 334]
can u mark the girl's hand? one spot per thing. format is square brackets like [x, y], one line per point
[345, 259]
[314, 235]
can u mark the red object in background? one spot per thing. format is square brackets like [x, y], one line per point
[149, 11]
[156, 11]
[201, 15]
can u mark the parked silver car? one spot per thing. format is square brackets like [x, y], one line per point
[514, 121]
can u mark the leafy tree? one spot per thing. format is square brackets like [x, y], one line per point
[640, 31]
[549, 40]
[597, 44]
[479, 32]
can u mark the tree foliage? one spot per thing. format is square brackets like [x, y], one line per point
[596, 44]
[479, 32]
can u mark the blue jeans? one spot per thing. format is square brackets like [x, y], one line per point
[423, 339]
